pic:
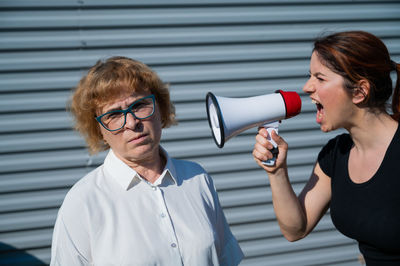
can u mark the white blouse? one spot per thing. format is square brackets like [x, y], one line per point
[114, 217]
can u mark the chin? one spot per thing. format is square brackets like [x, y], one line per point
[328, 128]
[325, 128]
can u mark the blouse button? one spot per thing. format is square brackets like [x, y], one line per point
[173, 245]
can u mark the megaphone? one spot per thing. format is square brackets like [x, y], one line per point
[228, 117]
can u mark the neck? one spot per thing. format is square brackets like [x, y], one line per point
[150, 168]
[375, 131]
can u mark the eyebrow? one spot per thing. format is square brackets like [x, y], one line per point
[119, 108]
[317, 73]
[114, 109]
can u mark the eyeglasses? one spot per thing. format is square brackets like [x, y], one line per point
[140, 109]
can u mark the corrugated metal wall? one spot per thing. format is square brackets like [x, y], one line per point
[230, 47]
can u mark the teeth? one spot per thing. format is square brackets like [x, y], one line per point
[314, 101]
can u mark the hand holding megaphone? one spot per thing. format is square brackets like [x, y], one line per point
[272, 127]
[228, 117]
[267, 142]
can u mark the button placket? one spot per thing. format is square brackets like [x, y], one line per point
[165, 220]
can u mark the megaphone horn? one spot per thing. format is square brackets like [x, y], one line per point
[228, 117]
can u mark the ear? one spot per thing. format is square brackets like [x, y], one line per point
[361, 93]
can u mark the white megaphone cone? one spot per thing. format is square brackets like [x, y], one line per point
[228, 117]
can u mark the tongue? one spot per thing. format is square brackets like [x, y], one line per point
[319, 114]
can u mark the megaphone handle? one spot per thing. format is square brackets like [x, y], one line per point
[272, 127]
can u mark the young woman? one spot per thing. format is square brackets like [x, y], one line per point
[357, 173]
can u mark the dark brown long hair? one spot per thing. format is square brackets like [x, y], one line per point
[357, 55]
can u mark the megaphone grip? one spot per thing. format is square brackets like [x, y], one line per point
[272, 127]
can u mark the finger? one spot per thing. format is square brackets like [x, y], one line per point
[263, 131]
[262, 154]
[264, 148]
[260, 148]
[263, 141]
[278, 139]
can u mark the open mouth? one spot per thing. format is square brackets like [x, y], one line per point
[320, 110]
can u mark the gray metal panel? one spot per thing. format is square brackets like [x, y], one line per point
[233, 48]
[156, 16]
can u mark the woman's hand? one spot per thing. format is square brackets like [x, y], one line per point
[261, 151]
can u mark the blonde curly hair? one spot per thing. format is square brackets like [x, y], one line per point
[104, 83]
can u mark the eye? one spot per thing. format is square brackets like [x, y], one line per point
[143, 103]
[112, 115]
[140, 104]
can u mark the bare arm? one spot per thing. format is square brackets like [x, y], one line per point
[297, 215]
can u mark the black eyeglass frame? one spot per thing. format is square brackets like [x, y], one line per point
[126, 111]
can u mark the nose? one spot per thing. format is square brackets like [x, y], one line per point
[131, 121]
[309, 86]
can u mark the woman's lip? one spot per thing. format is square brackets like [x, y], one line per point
[319, 116]
[314, 101]
[138, 138]
[320, 111]
[317, 103]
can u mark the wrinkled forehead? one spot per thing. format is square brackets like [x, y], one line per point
[113, 94]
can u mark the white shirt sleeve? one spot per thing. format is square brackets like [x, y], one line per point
[71, 242]
[230, 253]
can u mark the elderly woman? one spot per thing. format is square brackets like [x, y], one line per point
[140, 207]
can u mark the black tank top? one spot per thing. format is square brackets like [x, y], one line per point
[368, 212]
